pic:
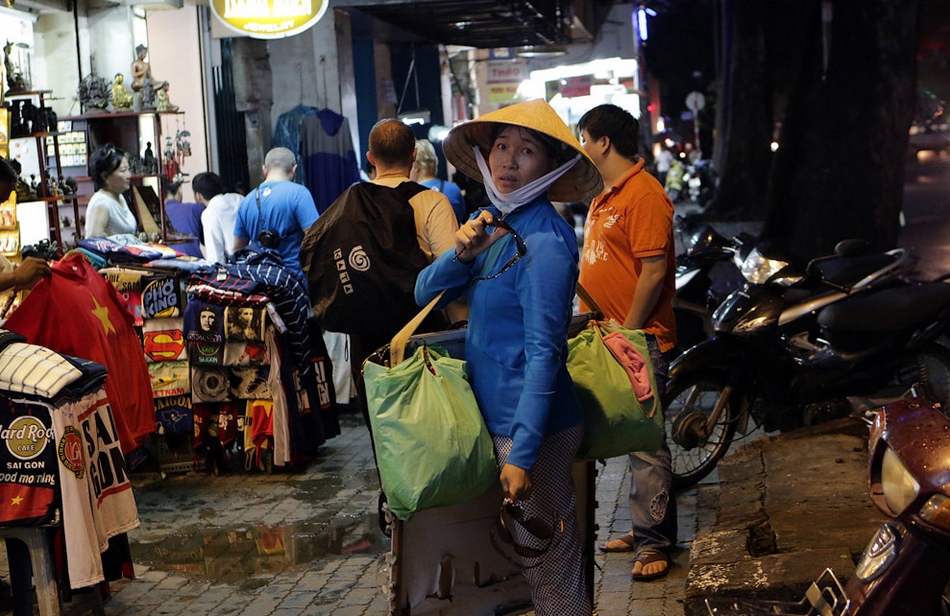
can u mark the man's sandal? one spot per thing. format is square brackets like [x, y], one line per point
[645, 558]
[620, 544]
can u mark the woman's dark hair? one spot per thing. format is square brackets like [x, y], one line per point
[8, 172]
[556, 149]
[104, 162]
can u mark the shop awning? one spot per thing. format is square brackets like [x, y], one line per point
[490, 23]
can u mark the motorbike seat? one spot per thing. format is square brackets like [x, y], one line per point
[888, 310]
[845, 271]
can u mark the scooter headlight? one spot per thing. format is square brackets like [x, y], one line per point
[936, 511]
[898, 485]
[879, 554]
[757, 268]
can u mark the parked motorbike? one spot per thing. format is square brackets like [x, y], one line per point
[705, 276]
[794, 348]
[905, 569]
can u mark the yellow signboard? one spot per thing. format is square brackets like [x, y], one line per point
[269, 18]
[501, 94]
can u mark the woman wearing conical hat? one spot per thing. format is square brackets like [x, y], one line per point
[516, 263]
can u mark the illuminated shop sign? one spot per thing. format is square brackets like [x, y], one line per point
[269, 18]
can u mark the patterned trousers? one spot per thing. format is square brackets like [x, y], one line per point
[556, 577]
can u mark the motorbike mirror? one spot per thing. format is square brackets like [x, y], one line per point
[852, 248]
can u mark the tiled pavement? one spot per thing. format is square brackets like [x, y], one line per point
[336, 568]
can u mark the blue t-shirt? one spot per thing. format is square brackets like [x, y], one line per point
[286, 209]
[186, 218]
[454, 194]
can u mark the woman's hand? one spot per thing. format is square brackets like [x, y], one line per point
[515, 482]
[472, 239]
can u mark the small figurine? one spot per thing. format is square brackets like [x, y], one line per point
[142, 81]
[135, 163]
[121, 97]
[23, 191]
[141, 71]
[94, 92]
[148, 158]
[28, 117]
[15, 79]
[161, 99]
[52, 186]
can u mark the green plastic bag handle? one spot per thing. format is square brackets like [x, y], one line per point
[397, 347]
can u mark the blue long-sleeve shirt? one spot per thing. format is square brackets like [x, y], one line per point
[516, 344]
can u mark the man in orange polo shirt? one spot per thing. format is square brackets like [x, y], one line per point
[628, 267]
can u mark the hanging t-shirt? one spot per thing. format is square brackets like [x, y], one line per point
[204, 333]
[326, 148]
[28, 476]
[97, 494]
[76, 312]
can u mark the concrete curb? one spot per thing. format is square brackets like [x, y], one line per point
[789, 507]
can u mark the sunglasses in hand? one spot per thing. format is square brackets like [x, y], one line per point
[520, 249]
[512, 524]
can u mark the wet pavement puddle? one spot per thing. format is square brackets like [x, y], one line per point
[178, 533]
[232, 555]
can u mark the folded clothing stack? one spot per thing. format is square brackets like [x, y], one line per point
[37, 373]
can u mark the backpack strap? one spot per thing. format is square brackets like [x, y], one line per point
[408, 190]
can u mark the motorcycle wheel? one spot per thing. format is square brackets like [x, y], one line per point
[696, 439]
[930, 368]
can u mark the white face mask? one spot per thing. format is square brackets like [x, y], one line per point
[509, 202]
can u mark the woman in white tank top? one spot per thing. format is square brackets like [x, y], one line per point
[107, 212]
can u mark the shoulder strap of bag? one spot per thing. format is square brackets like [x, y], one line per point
[408, 190]
[397, 347]
[586, 296]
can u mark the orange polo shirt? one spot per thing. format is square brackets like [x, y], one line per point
[632, 221]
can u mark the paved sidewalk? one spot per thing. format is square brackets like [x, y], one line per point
[200, 548]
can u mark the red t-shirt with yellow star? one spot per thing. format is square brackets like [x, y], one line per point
[76, 312]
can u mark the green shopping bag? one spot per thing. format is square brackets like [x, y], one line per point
[432, 446]
[615, 422]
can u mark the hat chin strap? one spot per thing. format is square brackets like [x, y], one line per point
[509, 202]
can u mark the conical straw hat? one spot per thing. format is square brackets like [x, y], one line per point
[582, 182]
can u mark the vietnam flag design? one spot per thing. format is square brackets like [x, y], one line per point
[77, 312]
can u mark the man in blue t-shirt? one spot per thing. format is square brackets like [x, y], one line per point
[278, 212]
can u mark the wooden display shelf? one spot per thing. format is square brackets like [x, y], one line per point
[118, 114]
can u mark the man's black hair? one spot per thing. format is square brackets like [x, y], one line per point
[617, 124]
[208, 185]
[170, 187]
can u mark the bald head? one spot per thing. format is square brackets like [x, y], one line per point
[391, 145]
[279, 164]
